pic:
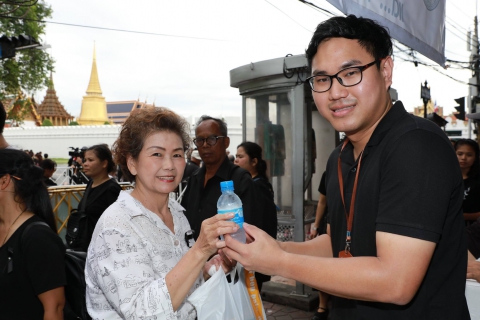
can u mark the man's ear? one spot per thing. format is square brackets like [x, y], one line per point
[131, 165]
[386, 67]
[227, 142]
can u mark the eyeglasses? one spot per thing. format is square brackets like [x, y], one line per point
[347, 77]
[211, 141]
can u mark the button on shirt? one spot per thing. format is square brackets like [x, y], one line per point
[131, 252]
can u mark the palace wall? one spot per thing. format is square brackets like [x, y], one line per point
[56, 140]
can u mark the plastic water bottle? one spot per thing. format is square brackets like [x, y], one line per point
[230, 202]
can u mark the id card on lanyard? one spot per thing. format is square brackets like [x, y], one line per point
[348, 239]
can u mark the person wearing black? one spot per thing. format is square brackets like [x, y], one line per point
[49, 167]
[395, 193]
[249, 157]
[320, 227]
[32, 265]
[203, 191]
[468, 153]
[101, 191]
[193, 164]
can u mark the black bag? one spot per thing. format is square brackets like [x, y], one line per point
[77, 225]
[75, 301]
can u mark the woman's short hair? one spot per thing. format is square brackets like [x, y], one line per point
[139, 126]
[253, 151]
[48, 164]
[29, 188]
[103, 153]
[475, 169]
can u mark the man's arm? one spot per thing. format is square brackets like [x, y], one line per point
[394, 276]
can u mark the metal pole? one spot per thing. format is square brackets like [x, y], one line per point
[298, 111]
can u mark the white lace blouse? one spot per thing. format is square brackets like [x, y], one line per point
[131, 252]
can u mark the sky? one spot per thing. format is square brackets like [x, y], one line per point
[185, 60]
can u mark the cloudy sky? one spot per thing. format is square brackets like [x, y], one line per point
[179, 53]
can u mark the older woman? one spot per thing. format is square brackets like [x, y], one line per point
[139, 263]
[32, 267]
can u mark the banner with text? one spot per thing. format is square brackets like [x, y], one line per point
[417, 24]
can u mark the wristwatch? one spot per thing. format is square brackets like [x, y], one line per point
[313, 228]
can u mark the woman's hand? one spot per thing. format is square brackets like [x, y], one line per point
[208, 241]
[219, 260]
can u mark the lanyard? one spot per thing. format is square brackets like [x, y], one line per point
[349, 216]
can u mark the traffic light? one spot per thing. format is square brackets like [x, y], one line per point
[10, 45]
[460, 108]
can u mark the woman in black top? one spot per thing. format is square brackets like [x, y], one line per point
[249, 157]
[102, 190]
[32, 266]
[468, 157]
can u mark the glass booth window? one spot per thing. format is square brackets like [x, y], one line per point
[268, 123]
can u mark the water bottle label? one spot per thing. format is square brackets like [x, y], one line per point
[238, 218]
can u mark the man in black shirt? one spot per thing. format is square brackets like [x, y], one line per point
[203, 191]
[394, 194]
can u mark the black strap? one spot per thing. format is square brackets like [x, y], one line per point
[36, 223]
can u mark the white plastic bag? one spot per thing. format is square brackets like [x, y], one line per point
[213, 300]
[217, 299]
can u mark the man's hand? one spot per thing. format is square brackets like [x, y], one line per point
[473, 270]
[257, 255]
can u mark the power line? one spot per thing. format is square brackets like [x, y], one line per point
[119, 30]
[310, 31]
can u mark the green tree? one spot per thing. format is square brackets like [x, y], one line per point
[73, 123]
[47, 123]
[30, 68]
[106, 123]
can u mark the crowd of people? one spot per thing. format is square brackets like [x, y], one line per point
[403, 207]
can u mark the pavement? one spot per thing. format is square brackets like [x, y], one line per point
[276, 311]
[281, 312]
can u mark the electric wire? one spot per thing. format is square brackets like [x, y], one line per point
[310, 31]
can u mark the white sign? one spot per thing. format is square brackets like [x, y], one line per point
[418, 24]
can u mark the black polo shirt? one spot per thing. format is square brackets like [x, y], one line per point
[409, 184]
[200, 202]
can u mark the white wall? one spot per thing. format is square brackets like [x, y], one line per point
[56, 140]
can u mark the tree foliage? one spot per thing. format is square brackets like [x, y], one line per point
[47, 123]
[30, 68]
[73, 123]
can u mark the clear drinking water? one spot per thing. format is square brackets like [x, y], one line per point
[230, 202]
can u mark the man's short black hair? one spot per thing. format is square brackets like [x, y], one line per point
[222, 124]
[370, 35]
[3, 117]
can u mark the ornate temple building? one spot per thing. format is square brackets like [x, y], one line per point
[94, 107]
[21, 110]
[52, 109]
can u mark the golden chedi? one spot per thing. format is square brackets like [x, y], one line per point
[94, 107]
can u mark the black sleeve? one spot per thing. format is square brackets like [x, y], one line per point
[266, 210]
[245, 191]
[45, 259]
[415, 189]
[322, 187]
[473, 238]
[95, 209]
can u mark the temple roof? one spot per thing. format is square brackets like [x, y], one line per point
[94, 84]
[51, 106]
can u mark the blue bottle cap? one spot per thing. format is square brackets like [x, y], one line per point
[226, 185]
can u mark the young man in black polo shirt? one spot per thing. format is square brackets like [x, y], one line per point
[396, 179]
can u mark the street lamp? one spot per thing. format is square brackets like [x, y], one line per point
[425, 95]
